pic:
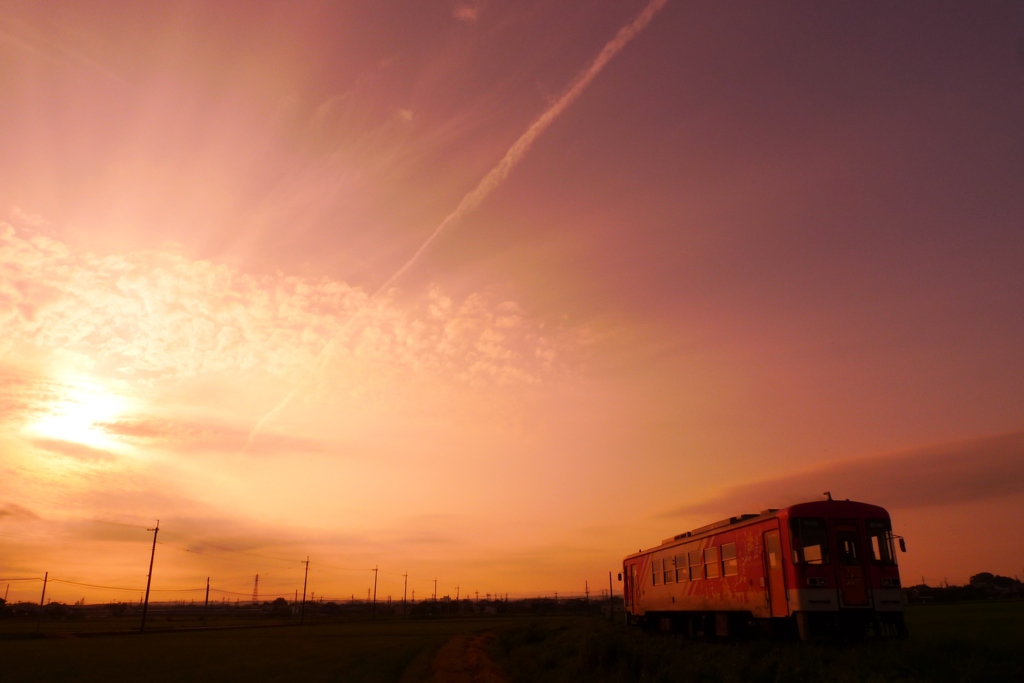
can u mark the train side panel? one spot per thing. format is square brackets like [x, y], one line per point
[725, 572]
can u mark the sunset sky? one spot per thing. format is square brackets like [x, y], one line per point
[499, 292]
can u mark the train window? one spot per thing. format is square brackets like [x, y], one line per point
[711, 569]
[682, 571]
[729, 566]
[696, 565]
[773, 551]
[669, 564]
[655, 571]
[847, 548]
[810, 540]
[880, 541]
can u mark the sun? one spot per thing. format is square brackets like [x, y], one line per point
[78, 414]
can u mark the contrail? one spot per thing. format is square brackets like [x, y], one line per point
[493, 179]
[64, 55]
[518, 150]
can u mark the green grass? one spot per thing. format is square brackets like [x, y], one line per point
[963, 642]
[19, 627]
[976, 622]
[384, 651]
[966, 642]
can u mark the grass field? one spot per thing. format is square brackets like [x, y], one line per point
[962, 642]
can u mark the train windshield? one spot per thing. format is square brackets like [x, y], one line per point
[849, 548]
[880, 541]
[810, 540]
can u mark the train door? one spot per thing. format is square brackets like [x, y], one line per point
[853, 591]
[634, 584]
[630, 589]
[776, 577]
[627, 587]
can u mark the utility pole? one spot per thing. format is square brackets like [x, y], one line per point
[302, 612]
[256, 591]
[206, 605]
[149, 578]
[435, 591]
[611, 600]
[456, 594]
[41, 598]
[405, 588]
[373, 614]
[586, 590]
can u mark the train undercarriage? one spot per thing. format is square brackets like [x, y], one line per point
[807, 626]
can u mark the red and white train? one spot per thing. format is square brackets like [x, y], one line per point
[826, 567]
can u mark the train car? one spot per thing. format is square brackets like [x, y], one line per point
[817, 569]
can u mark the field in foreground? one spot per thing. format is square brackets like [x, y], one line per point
[963, 642]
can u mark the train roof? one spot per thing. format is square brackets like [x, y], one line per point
[818, 508]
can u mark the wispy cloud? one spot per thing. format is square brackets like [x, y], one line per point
[159, 314]
[73, 450]
[12, 511]
[56, 49]
[27, 217]
[965, 471]
[468, 12]
[184, 436]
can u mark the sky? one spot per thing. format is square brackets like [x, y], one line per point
[498, 292]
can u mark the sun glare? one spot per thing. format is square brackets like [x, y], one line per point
[77, 415]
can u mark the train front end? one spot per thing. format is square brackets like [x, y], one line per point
[842, 573]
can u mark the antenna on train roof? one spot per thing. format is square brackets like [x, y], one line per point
[829, 494]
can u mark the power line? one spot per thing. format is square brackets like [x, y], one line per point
[125, 588]
[227, 592]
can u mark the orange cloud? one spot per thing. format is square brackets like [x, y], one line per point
[12, 511]
[73, 450]
[185, 436]
[965, 471]
[468, 12]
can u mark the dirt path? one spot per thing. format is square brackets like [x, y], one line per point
[463, 659]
